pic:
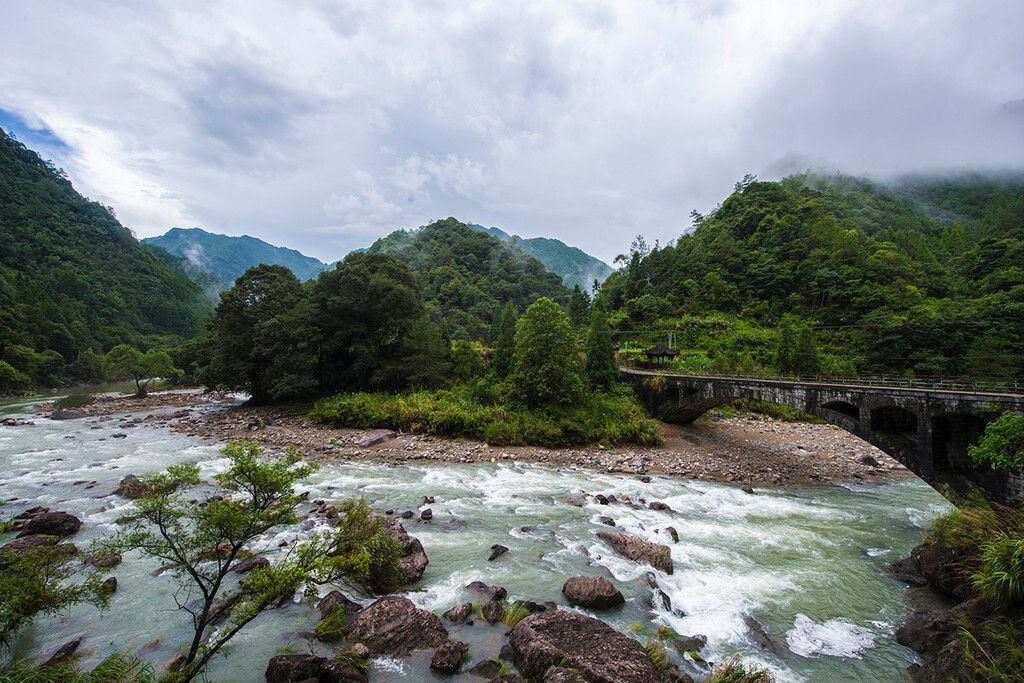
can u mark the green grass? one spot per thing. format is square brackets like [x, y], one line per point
[735, 671]
[473, 412]
[119, 667]
[331, 627]
[515, 613]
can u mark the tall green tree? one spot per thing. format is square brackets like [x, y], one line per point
[504, 347]
[805, 355]
[127, 361]
[241, 350]
[579, 307]
[546, 363]
[600, 367]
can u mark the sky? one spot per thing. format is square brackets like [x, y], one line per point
[321, 125]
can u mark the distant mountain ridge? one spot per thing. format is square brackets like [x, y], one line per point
[227, 257]
[576, 266]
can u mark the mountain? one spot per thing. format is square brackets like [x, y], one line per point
[468, 275]
[574, 265]
[228, 257]
[71, 276]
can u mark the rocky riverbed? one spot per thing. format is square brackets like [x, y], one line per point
[748, 449]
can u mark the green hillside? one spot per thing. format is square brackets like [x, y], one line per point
[228, 257]
[883, 286]
[574, 265]
[71, 276]
[468, 275]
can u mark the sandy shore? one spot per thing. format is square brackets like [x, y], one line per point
[748, 449]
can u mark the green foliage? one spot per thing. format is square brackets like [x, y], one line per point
[658, 654]
[71, 276]
[515, 613]
[353, 658]
[332, 626]
[992, 651]
[120, 667]
[735, 671]
[362, 551]
[1002, 444]
[600, 367]
[468, 411]
[1001, 575]
[467, 274]
[546, 362]
[505, 346]
[125, 361]
[579, 307]
[36, 581]
[170, 524]
[11, 379]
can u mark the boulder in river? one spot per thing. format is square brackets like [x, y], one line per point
[414, 560]
[497, 550]
[305, 667]
[592, 648]
[592, 592]
[557, 674]
[459, 613]
[372, 437]
[448, 658]
[334, 600]
[489, 592]
[66, 415]
[58, 524]
[638, 550]
[394, 625]
[250, 563]
[131, 487]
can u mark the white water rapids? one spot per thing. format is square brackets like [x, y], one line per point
[808, 564]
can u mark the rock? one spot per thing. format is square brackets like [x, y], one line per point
[131, 487]
[685, 644]
[575, 503]
[459, 613]
[657, 505]
[489, 592]
[22, 544]
[939, 564]
[333, 601]
[666, 601]
[448, 658]
[103, 561]
[507, 678]
[638, 550]
[32, 512]
[592, 592]
[427, 515]
[595, 650]
[372, 437]
[493, 611]
[120, 435]
[250, 563]
[487, 668]
[66, 415]
[867, 460]
[556, 674]
[928, 633]
[673, 533]
[746, 488]
[63, 652]
[644, 478]
[496, 552]
[603, 500]
[408, 514]
[761, 637]
[394, 625]
[607, 521]
[414, 560]
[305, 667]
[907, 571]
[110, 585]
[59, 524]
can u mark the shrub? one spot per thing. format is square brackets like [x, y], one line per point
[1002, 445]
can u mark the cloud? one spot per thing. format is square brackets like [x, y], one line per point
[321, 125]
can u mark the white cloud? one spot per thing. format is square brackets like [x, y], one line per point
[318, 124]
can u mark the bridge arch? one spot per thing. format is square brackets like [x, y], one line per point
[927, 431]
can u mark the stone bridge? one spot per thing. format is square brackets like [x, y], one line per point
[928, 430]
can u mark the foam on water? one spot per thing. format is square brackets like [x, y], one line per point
[832, 638]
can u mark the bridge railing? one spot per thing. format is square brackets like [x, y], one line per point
[1006, 385]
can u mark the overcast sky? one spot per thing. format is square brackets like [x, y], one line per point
[321, 125]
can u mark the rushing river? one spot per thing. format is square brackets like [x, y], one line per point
[808, 563]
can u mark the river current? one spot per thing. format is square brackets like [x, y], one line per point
[807, 563]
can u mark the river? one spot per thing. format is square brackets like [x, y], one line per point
[808, 563]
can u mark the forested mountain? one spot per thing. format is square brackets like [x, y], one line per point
[228, 257]
[71, 276]
[882, 284]
[210, 283]
[574, 265]
[468, 275]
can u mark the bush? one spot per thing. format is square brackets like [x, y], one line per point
[12, 379]
[362, 550]
[1002, 445]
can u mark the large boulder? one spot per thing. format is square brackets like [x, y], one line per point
[414, 559]
[334, 600]
[305, 667]
[58, 524]
[394, 625]
[928, 633]
[448, 658]
[592, 648]
[23, 544]
[638, 550]
[372, 437]
[131, 487]
[592, 592]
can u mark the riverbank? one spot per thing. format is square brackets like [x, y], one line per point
[747, 449]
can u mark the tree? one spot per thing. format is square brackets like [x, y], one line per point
[805, 355]
[579, 306]
[785, 351]
[426, 359]
[202, 541]
[241, 350]
[546, 363]
[504, 347]
[1002, 444]
[127, 361]
[600, 367]
[33, 582]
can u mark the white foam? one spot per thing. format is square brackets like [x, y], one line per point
[833, 638]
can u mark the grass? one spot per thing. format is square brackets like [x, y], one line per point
[735, 671]
[993, 651]
[658, 654]
[119, 667]
[515, 613]
[352, 658]
[331, 627]
[475, 412]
